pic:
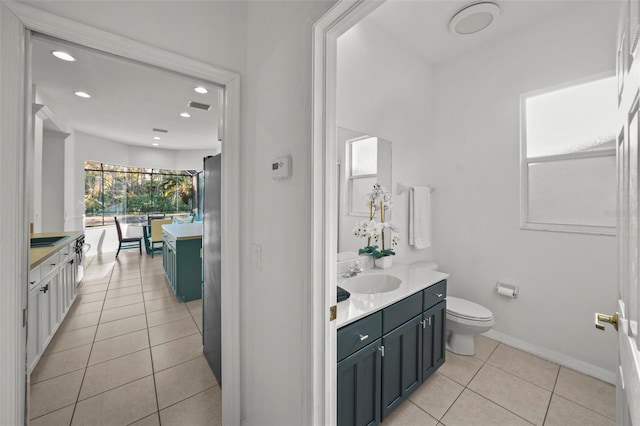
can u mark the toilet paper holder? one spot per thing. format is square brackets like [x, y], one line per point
[507, 290]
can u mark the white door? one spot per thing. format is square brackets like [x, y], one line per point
[625, 320]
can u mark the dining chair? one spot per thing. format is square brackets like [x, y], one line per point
[156, 232]
[127, 243]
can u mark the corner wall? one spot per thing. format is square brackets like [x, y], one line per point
[563, 278]
[384, 90]
[276, 359]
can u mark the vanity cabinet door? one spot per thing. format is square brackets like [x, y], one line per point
[359, 381]
[433, 339]
[401, 364]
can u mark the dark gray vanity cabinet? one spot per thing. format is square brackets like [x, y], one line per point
[359, 372]
[433, 331]
[359, 387]
[401, 357]
[384, 357]
[401, 364]
[433, 339]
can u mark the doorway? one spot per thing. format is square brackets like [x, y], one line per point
[33, 20]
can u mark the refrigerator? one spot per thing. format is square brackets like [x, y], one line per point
[211, 253]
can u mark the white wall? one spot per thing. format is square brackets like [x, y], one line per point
[563, 278]
[385, 90]
[275, 360]
[53, 167]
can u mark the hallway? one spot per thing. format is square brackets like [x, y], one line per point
[127, 353]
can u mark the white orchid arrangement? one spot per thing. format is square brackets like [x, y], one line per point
[380, 201]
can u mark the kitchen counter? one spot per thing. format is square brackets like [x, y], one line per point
[184, 231]
[414, 278]
[40, 254]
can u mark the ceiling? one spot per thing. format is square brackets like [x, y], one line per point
[130, 99]
[127, 101]
[423, 25]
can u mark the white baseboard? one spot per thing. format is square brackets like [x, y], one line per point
[553, 356]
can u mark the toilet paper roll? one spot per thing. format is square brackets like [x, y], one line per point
[509, 292]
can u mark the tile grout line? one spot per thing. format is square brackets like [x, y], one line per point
[153, 368]
[553, 392]
[84, 375]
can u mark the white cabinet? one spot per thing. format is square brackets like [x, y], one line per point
[52, 290]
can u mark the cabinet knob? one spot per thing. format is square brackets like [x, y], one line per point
[439, 295]
[32, 282]
[363, 337]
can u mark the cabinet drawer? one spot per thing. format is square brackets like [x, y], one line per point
[34, 276]
[359, 334]
[434, 294]
[401, 312]
[49, 264]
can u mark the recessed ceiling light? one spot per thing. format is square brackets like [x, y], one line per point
[82, 94]
[155, 144]
[156, 138]
[201, 89]
[63, 55]
[474, 18]
[185, 115]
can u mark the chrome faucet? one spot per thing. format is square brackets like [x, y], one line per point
[354, 270]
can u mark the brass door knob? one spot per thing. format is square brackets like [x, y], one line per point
[611, 319]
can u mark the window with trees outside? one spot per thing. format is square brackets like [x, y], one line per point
[132, 193]
[568, 157]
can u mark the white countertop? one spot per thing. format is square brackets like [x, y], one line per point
[184, 231]
[414, 279]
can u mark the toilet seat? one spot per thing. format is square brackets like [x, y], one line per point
[467, 310]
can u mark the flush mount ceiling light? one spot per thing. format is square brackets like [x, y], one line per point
[82, 94]
[63, 55]
[155, 144]
[185, 115]
[474, 18]
[201, 89]
[156, 138]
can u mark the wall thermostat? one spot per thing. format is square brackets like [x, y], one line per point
[281, 168]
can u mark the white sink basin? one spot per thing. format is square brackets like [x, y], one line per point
[370, 284]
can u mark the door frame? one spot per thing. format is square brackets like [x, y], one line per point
[40, 21]
[340, 18]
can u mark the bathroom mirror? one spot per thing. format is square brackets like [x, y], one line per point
[363, 160]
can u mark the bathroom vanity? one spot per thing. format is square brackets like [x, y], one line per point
[388, 341]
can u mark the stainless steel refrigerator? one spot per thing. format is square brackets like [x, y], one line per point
[211, 245]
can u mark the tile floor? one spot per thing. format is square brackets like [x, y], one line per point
[502, 385]
[127, 353]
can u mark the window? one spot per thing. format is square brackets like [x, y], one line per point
[568, 162]
[131, 193]
[363, 166]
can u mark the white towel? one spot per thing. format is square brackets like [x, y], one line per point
[420, 217]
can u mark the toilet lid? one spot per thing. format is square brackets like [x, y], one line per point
[466, 309]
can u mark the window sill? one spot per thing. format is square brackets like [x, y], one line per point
[609, 231]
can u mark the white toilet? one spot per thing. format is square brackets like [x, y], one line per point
[465, 319]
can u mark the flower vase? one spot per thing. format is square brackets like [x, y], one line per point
[383, 262]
